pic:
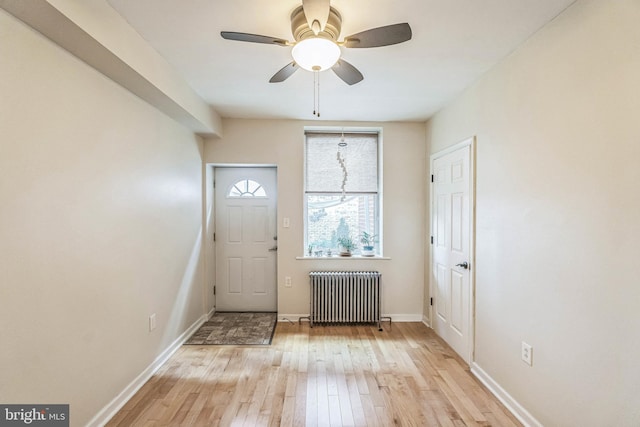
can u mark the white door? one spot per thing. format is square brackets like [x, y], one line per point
[245, 237]
[451, 280]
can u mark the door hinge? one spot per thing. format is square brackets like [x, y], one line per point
[214, 237]
[431, 177]
[432, 240]
[214, 290]
[431, 301]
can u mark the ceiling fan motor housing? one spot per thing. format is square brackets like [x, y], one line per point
[301, 30]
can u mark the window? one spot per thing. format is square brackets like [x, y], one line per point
[246, 188]
[342, 197]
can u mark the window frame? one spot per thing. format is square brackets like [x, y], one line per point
[241, 196]
[379, 197]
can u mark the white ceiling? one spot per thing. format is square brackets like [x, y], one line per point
[454, 42]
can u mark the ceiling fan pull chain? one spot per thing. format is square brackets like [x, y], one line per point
[314, 93]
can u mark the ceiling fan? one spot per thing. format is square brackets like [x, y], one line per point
[316, 28]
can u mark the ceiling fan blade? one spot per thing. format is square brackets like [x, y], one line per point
[317, 14]
[347, 72]
[284, 73]
[381, 36]
[253, 38]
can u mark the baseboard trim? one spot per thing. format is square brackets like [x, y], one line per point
[394, 317]
[110, 410]
[404, 317]
[507, 400]
[290, 317]
[426, 322]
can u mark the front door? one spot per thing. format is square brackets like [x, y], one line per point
[245, 207]
[452, 217]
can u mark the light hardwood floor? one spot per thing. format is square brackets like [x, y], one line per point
[324, 376]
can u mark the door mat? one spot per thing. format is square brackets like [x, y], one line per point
[233, 328]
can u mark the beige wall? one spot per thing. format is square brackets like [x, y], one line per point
[100, 225]
[281, 143]
[558, 215]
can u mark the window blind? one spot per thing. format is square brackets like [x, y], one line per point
[324, 173]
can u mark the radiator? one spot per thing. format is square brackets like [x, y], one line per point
[345, 297]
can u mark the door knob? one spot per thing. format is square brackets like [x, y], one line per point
[464, 265]
[273, 249]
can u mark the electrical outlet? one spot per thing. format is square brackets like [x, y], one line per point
[152, 322]
[527, 353]
[287, 282]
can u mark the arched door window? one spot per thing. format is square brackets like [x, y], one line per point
[246, 188]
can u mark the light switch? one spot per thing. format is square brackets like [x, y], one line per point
[285, 222]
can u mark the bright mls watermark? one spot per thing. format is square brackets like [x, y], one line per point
[34, 415]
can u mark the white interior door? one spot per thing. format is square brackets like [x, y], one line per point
[246, 242]
[452, 216]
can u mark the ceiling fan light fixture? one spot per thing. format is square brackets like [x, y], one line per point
[316, 54]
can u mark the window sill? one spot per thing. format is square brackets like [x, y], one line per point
[338, 257]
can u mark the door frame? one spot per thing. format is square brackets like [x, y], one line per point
[210, 226]
[471, 143]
